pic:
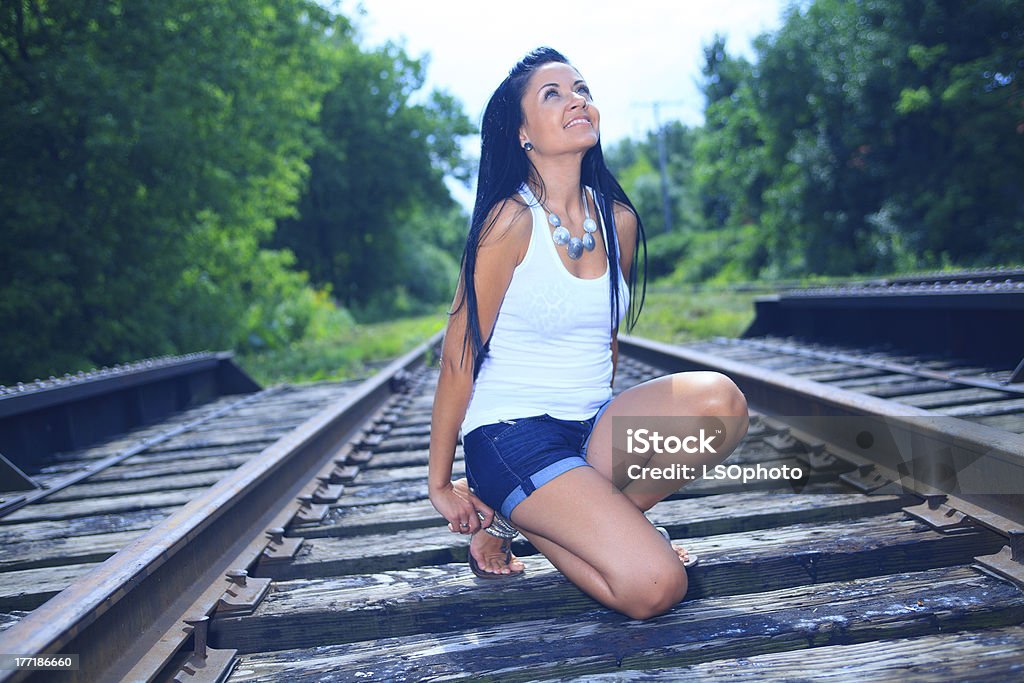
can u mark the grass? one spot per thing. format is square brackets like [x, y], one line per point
[359, 354]
[670, 314]
[675, 315]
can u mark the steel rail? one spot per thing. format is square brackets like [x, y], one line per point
[58, 391]
[1003, 386]
[978, 469]
[135, 449]
[125, 618]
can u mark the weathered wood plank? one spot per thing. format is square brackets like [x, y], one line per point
[27, 589]
[275, 419]
[193, 461]
[143, 469]
[85, 525]
[990, 655]
[378, 494]
[191, 443]
[396, 474]
[409, 484]
[77, 508]
[119, 442]
[952, 397]
[796, 553]
[415, 416]
[409, 458]
[429, 596]
[88, 490]
[895, 390]
[178, 455]
[857, 383]
[841, 373]
[600, 641]
[390, 444]
[818, 366]
[33, 553]
[724, 513]
[728, 351]
[194, 441]
[782, 362]
[1012, 405]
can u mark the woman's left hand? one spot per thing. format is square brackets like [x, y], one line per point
[459, 506]
[483, 511]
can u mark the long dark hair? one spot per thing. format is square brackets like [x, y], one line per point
[504, 167]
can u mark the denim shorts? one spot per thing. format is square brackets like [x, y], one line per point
[507, 461]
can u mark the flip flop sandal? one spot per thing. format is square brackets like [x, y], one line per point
[691, 561]
[475, 568]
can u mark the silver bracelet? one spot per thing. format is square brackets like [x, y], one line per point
[500, 527]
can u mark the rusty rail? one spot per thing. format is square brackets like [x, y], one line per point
[978, 468]
[132, 614]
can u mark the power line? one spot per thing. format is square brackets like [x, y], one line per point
[666, 206]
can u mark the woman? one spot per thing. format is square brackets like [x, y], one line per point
[529, 356]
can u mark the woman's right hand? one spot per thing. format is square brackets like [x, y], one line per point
[459, 506]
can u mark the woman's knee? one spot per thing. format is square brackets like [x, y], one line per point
[655, 594]
[719, 395]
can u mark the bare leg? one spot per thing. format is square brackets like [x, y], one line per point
[692, 400]
[602, 543]
[595, 533]
[697, 399]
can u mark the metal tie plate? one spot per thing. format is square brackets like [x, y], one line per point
[941, 517]
[243, 594]
[865, 478]
[1008, 562]
[205, 665]
[280, 548]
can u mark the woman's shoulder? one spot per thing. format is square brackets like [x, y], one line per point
[509, 225]
[625, 222]
[624, 211]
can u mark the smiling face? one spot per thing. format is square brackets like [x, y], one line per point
[559, 115]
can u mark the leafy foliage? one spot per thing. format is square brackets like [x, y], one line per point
[376, 206]
[148, 148]
[151, 151]
[866, 137]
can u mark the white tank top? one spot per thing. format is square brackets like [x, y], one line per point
[550, 350]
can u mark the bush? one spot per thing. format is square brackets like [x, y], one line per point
[665, 252]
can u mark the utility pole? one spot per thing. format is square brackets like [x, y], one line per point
[666, 206]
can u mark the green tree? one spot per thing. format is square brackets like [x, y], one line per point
[377, 171]
[148, 148]
[893, 131]
[637, 167]
[731, 173]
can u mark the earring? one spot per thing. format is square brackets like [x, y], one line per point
[528, 146]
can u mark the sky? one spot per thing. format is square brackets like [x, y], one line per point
[631, 52]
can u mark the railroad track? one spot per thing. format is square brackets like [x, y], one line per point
[317, 556]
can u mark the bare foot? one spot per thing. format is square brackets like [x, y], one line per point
[684, 556]
[681, 552]
[490, 557]
[487, 549]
